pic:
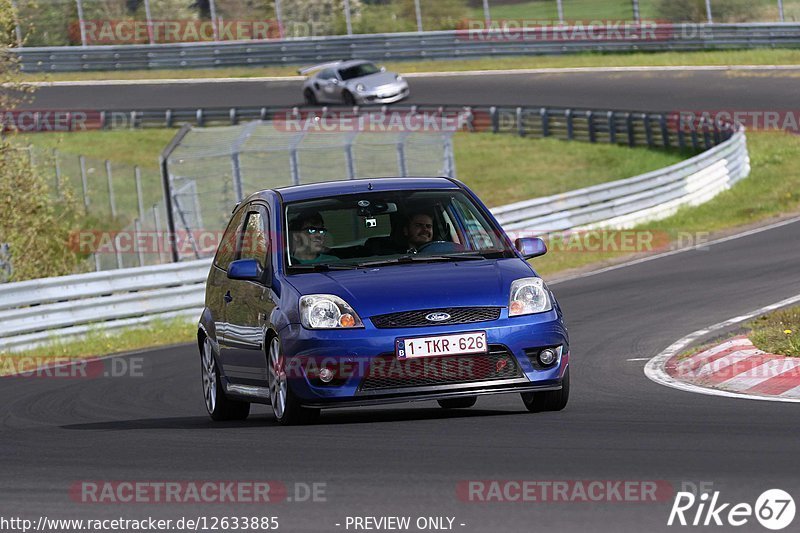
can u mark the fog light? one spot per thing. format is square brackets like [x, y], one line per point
[547, 357]
[326, 375]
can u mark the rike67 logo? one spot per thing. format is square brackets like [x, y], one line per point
[774, 509]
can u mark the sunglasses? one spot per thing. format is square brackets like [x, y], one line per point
[315, 231]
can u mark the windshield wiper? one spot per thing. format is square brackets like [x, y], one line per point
[324, 267]
[405, 259]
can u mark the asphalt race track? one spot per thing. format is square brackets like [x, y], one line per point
[648, 91]
[408, 460]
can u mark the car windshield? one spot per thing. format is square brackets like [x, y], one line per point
[378, 228]
[357, 71]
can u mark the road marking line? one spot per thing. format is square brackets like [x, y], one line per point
[655, 368]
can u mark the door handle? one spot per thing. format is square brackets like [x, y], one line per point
[228, 298]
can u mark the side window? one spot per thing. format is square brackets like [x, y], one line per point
[254, 242]
[227, 246]
[328, 74]
[477, 235]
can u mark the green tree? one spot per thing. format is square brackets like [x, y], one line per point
[36, 225]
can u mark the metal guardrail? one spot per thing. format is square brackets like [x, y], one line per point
[626, 203]
[35, 312]
[457, 44]
[630, 128]
[40, 311]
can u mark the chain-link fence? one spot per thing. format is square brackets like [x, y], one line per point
[121, 203]
[211, 169]
[57, 22]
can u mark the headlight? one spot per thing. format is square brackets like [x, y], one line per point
[528, 296]
[360, 88]
[326, 311]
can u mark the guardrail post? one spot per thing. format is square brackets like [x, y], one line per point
[279, 17]
[590, 123]
[708, 12]
[157, 226]
[636, 17]
[662, 122]
[212, 5]
[629, 128]
[401, 158]
[780, 11]
[545, 122]
[168, 118]
[570, 125]
[137, 229]
[695, 140]
[717, 134]
[103, 120]
[706, 135]
[263, 114]
[560, 6]
[84, 183]
[81, 22]
[418, 12]
[294, 167]
[681, 138]
[149, 17]
[111, 200]
[350, 160]
[648, 130]
[17, 28]
[487, 14]
[520, 123]
[58, 172]
[199, 117]
[612, 127]
[232, 115]
[137, 176]
[495, 119]
[348, 17]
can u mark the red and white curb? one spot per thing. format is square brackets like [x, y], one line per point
[738, 366]
[734, 368]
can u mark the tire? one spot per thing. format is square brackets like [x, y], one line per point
[285, 405]
[458, 403]
[309, 97]
[219, 406]
[537, 402]
[348, 99]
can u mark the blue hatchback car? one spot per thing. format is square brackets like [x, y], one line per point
[375, 291]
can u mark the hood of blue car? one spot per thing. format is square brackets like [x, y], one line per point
[407, 287]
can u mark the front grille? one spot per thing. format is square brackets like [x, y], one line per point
[388, 372]
[416, 319]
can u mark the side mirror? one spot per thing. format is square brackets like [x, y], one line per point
[531, 247]
[335, 81]
[383, 69]
[246, 270]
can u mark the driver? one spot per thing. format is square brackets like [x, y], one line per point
[418, 231]
[308, 233]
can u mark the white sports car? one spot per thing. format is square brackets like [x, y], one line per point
[352, 82]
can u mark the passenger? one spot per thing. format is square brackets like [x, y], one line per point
[307, 238]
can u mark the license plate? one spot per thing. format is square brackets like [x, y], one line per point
[455, 344]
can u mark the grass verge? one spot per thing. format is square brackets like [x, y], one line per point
[657, 59]
[772, 190]
[97, 342]
[777, 332]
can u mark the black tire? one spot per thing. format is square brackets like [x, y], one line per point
[458, 403]
[348, 99]
[309, 97]
[218, 406]
[537, 402]
[285, 405]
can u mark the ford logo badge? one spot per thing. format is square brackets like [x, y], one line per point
[437, 317]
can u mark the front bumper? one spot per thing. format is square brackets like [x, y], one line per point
[513, 338]
[385, 95]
